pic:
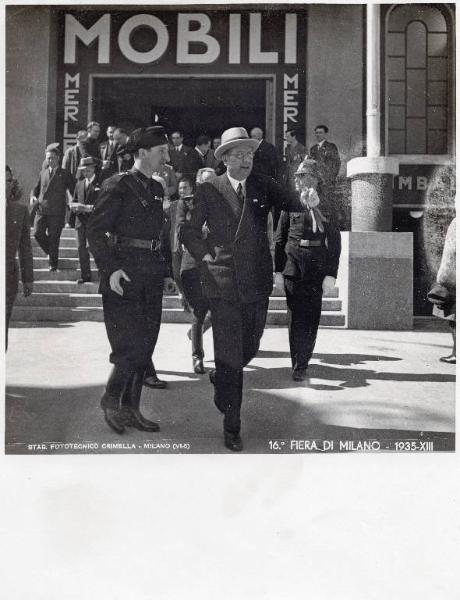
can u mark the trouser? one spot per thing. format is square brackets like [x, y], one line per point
[303, 300]
[83, 253]
[453, 329]
[193, 293]
[132, 323]
[11, 285]
[47, 232]
[237, 330]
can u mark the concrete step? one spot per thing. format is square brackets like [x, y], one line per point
[61, 275]
[64, 263]
[67, 233]
[69, 314]
[64, 287]
[77, 295]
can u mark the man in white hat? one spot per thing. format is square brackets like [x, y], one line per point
[235, 264]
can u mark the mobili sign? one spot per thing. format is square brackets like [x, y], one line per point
[200, 71]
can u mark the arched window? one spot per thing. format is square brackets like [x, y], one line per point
[417, 49]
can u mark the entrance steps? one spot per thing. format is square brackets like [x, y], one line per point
[58, 297]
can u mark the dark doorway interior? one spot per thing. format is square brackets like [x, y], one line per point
[196, 106]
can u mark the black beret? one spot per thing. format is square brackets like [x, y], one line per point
[146, 137]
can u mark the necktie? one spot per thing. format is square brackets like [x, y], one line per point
[240, 194]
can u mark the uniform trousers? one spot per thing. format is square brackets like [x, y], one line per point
[199, 303]
[237, 330]
[83, 253]
[303, 298]
[47, 232]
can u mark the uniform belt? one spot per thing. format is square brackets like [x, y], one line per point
[152, 245]
[310, 243]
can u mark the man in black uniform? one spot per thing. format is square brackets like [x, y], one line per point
[134, 264]
[235, 265]
[307, 252]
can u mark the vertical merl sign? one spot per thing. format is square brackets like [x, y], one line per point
[270, 43]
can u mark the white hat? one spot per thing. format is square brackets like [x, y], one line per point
[235, 136]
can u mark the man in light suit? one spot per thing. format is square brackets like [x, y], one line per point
[84, 198]
[235, 265]
[55, 185]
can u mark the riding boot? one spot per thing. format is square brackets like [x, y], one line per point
[131, 412]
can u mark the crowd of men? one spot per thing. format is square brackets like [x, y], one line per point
[160, 215]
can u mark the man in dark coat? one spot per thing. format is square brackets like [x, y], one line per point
[108, 151]
[74, 154]
[327, 156]
[235, 265]
[178, 153]
[307, 251]
[91, 144]
[17, 241]
[55, 185]
[134, 268]
[197, 158]
[84, 197]
[265, 157]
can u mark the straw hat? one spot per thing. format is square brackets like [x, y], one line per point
[235, 136]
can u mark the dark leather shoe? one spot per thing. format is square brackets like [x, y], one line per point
[233, 441]
[114, 419]
[152, 381]
[52, 269]
[451, 359]
[84, 280]
[133, 418]
[299, 374]
[198, 366]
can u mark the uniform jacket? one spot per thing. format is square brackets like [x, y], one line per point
[83, 196]
[193, 162]
[242, 265]
[51, 191]
[266, 160]
[17, 241]
[129, 205]
[177, 158]
[297, 262]
[327, 157]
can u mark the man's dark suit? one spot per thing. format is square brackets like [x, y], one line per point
[328, 159]
[239, 280]
[266, 160]
[52, 203]
[84, 195]
[193, 162]
[17, 240]
[177, 158]
[108, 151]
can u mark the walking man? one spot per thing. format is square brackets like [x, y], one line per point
[54, 188]
[235, 265]
[84, 197]
[134, 268]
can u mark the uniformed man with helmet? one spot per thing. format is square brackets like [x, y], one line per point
[126, 238]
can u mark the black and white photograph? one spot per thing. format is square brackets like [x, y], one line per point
[230, 229]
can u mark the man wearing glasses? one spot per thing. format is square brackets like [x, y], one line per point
[235, 265]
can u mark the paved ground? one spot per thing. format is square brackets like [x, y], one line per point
[364, 385]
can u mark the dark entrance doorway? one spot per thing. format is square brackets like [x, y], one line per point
[194, 105]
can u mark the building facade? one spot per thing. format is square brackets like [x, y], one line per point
[205, 68]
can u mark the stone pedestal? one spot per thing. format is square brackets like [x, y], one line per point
[380, 280]
[372, 192]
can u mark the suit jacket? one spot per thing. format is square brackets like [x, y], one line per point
[328, 159]
[266, 160]
[177, 159]
[83, 196]
[301, 263]
[242, 268]
[193, 162]
[51, 191]
[17, 241]
[71, 160]
[106, 153]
